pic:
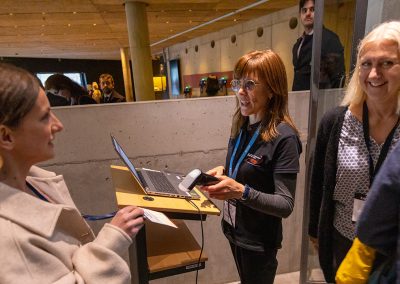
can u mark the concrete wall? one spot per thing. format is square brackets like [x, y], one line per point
[176, 135]
[277, 36]
[380, 11]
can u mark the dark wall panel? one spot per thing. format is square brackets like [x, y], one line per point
[92, 68]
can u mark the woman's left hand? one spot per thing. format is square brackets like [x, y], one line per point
[227, 188]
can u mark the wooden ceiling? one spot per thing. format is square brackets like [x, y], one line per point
[96, 29]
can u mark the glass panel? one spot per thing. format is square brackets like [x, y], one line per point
[335, 43]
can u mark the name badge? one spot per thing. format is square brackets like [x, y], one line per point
[358, 205]
[230, 212]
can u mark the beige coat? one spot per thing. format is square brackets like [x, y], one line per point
[42, 242]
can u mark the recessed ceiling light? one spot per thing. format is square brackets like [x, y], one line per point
[167, 22]
[15, 26]
[234, 20]
[43, 26]
[69, 25]
[171, 30]
[190, 10]
[43, 13]
[11, 14]
[74, 12]
[94, 25]
[42, 34]
[190, 21]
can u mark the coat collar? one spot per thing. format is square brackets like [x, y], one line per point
[39, 216]
[28, 211]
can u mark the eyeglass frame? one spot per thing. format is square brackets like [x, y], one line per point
[242, 84]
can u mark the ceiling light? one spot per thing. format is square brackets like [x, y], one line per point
[15, 26]
[190, 10]
[43, 13]
[234, 20]
[167, 22]
[190, 21]
[11, 14]
[171, 30]
[69, 25]
[43, 26]
[42, 34]
[94, 25]
[74, 12]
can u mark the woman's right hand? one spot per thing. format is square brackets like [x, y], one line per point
[217, 171]
[129, 219]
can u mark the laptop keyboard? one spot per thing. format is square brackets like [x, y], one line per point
[161, 182]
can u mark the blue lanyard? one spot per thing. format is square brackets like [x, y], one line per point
[87, 217]
[233, 173]
[36, 192]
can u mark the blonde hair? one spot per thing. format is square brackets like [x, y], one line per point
[270, 71]
[385, 32]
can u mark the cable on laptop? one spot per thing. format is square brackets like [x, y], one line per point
[99, 217]
[202, 238]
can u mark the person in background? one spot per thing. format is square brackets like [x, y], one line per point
[62, 91]
[332, 70]
[110, 95]
[353, 141]
[96, 94]
[43, 237]
[258, 185]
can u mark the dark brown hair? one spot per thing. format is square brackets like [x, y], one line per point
[270, 71]
[302, 3]
[18, 92]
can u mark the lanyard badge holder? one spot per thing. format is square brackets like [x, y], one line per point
[359, 198]
[230, 205]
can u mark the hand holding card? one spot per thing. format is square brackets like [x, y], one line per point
[157, 217]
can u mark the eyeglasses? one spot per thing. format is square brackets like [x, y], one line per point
[249, 85]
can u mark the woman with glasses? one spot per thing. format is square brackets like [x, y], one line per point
[353, 141]
[43, 237]
[258, 181]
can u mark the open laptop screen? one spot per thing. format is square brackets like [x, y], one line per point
[125, 158]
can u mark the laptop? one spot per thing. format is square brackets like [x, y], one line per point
[153, 182]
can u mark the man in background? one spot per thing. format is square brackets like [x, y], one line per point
[332, 59]
[110, 95]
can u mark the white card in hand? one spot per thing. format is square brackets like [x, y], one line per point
[157, 217]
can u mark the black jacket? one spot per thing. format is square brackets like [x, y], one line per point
[322, 187]
[332, 62]
[114, 98]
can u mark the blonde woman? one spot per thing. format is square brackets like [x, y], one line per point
[352, 143]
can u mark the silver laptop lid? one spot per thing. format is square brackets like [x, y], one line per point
[126, 160]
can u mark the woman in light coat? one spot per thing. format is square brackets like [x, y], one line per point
[43, 238]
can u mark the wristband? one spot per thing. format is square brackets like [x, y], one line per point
[246, 191]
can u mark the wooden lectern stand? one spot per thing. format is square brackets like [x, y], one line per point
[161, 251]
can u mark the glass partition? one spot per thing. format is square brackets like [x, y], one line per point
[346, 20]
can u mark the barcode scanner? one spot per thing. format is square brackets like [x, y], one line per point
[197, 177]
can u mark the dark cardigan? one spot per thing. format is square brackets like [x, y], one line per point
[322, 186]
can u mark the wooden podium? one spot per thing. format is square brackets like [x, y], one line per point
[162, 251]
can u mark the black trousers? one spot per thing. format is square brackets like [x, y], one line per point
[255, 267]
[341, 245]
